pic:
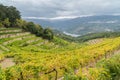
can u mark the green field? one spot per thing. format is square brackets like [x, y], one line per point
[25, 56]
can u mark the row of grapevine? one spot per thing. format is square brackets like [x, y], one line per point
[48, 62]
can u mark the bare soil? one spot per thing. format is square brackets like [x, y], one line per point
[7, 62]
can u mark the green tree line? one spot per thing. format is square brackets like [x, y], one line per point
[10, 17]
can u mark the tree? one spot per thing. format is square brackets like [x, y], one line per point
[10, 17]
[31, 27]
[20, 23]
[3, 10]
[6, 22]
[48, 34]
[9, 12]
[1, 25]
[13, 14]
[39, 30]
[34, 28]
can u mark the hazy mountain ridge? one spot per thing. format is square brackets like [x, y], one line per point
[83, 25]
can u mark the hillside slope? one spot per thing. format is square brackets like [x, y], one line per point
[35, 58]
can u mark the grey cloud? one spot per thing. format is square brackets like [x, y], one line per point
[54, 8]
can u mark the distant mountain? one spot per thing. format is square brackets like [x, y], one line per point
[83, 25]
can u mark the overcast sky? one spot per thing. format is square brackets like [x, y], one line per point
[64, 8]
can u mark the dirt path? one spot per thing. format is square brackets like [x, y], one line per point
[7, 62]
[16, 39]
[6, 31]
[34, 40]
[14, 35]
[95, 41]
[1, 51]
[4, 48]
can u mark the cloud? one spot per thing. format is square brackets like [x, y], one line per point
[54, 18]
[55, 8]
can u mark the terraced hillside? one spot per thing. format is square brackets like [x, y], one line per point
[25, 56]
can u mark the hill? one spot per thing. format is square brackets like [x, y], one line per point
[30, 52]
[32, 57]
[83, 25]
[10, 18]
[86, 37]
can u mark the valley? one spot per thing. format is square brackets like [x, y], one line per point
[34, 57]
[58, 48]
[82, 25]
